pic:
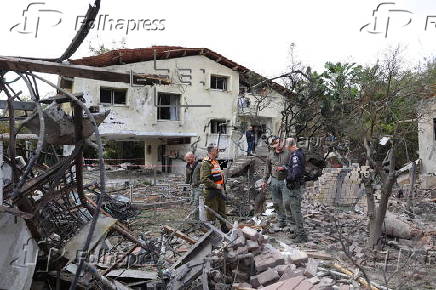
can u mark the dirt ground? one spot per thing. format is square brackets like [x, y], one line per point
[339, 232]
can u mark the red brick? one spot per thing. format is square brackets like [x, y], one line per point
[305, 285]
[286, 284]
[268, 277]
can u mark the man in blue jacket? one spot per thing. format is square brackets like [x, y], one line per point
[251, 140]
[294, 182]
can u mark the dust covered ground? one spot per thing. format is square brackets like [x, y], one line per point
[336, 235]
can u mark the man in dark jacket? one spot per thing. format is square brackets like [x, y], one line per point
[294, 181]
[251, 140]
[193, 177]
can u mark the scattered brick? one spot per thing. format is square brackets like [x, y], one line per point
[268, 277]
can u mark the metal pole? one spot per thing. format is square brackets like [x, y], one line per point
[78, 131]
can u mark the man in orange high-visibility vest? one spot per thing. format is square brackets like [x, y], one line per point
[212, 177]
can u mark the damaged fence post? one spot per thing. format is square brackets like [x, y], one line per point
[201, 213]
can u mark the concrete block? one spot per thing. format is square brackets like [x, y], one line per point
[250, 234]
[252, 246]
[298, 257]
[263, 264]
[311, 268]
[268, 277]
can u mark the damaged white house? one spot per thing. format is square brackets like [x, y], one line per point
[206, 101]
[427, 142]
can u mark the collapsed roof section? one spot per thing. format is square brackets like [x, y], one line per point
[21, 64]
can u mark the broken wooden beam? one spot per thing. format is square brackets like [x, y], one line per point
[17, 105]
[21, 64]
[218, 216]
[180, 234]
[361, 280]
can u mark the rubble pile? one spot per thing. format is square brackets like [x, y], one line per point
[249, 261]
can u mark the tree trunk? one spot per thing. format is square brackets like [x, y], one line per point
[371, 209]
[376, 230]
[411, 194]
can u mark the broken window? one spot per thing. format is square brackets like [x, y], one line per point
[113, 96]
[179, 141]
[218, 82]
[66, 83]
[218, 126]
[168, 107]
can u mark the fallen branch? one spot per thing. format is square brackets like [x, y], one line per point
[218, 216]
[180, 234]
[351, 275]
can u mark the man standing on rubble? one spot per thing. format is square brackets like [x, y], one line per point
[193, 178]
[294, 182]
[212, 177]
[250, 134]
[275, 167]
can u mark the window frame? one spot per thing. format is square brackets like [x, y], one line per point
[113, 90]
[176, 106]
[226, 84]
[217, 131]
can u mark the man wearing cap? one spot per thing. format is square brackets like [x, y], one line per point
[275, 167]
[212, 177]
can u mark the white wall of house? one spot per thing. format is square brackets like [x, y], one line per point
[140, 115]
[427, 138]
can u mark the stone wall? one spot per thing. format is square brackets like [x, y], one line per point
[341, 186]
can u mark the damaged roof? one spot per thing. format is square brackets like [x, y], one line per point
[133, 55]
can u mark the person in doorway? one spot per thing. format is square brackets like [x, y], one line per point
[294, 182]
[250, 134]
[275, 168]
[192, 177]
[212, 177]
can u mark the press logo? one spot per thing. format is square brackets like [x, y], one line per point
[387, 17]
[36, 16]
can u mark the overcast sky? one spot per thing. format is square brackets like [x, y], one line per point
[256, 34]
